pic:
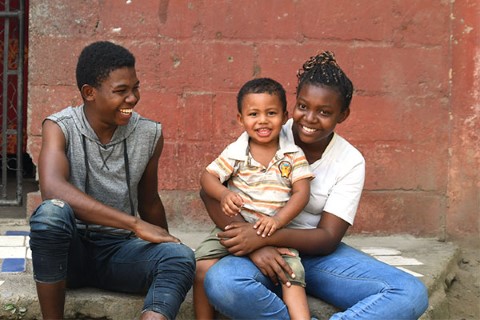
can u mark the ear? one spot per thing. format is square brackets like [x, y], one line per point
[285, 117]
[239, 119]
[88, 92]
[344, 115]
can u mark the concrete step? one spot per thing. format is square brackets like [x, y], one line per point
[436, 259]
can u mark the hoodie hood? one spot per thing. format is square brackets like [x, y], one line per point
[120, 134]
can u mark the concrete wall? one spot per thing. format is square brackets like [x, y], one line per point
[415, 66]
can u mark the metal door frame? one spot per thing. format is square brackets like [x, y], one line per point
[7, 15]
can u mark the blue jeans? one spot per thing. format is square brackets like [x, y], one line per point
[362, 286]
[164, 272]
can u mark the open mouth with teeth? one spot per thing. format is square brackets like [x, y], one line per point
[126, 111]
[308, 130]
[263, 132]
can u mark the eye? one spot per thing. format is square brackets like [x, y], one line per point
[272, 113]
[301, 106]
[324, 113]
[120, 91]
[252, 114]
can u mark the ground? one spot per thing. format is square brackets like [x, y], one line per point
[463, 293]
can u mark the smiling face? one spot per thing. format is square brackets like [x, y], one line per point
[317, 112]
[112, 103]
[262, 117]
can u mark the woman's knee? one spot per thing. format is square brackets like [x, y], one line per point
[219, 288]
[223, 281]
[409, 294]
[202, 266]
[417, 293]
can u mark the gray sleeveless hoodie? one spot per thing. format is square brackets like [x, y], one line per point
[106, 180]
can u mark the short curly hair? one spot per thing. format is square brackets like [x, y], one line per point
[262, 85]
[98, 59]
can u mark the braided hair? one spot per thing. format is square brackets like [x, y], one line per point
[323, 70]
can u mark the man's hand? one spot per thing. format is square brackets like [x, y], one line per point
[152, 233]
[271, 263]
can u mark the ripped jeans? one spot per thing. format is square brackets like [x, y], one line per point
[60, 251]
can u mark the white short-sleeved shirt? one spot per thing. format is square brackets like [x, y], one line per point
[264, 189]
[338, 183]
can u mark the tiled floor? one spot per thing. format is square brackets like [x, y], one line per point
[14, 251]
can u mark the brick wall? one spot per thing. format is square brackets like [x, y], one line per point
[414, 64]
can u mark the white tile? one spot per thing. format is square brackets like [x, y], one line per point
[27, 241]
[13, 252]
[413, 273]
[12, 241]
[29, 254]
[399, 261]
[378, 251]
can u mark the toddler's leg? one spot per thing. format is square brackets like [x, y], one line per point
[203, 309]
[295, 298]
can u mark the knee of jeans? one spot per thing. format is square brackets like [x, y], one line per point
[178, 254]
[52, 214]
[418, 292]
[217, 286]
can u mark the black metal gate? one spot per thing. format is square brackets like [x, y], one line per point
[12, 100]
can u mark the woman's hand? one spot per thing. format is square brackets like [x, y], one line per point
[241, 239]
[271, 263]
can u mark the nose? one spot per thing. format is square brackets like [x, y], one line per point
[262, 118]
[132, 98]
[310, 116]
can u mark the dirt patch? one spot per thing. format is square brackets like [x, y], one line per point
[463, 294]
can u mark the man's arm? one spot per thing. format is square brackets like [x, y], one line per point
[54, 171]
[150, 206]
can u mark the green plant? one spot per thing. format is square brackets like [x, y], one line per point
[16, 312]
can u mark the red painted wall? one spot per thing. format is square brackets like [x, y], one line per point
[415, 65]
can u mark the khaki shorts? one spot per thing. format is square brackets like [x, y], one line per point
[211, 248]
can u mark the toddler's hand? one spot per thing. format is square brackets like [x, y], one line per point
[231, 203]
[266, 226]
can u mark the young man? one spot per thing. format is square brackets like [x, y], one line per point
[268, 185]
[102, 222]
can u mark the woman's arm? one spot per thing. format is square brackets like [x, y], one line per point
[300, 195]
[240, 239]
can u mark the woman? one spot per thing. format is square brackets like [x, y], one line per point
[361, 286]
